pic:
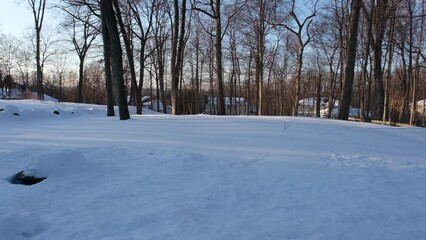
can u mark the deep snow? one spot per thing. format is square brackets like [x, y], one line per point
[207, 177]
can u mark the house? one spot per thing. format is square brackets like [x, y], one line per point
[34, 95]
[421, 107]
[307, 107]
[353, 112]
[157, 106]
[17, 92]
[421, 112]
[152, 104]
[233, 106]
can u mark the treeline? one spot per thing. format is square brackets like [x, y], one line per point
[271, 53]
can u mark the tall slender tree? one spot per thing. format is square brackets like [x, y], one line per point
[213, 9]
[106, 39]
[109, 18]
[350, 60]
[145, 25]
[38, 9]
[378, 17]
[83, 33]
[304, 36]
[178, 46]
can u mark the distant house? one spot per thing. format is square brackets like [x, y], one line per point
[17, 92]
[34, 95]
[152, 104]
[421, 111]
[233, 106]
[21, 92]
[421, 107]
[307, 107]
[157, 106]
[353, 112]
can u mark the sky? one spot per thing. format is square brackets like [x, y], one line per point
[16, 17]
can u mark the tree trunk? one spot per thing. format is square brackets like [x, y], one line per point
[221, 98]
[380, 20]
[177, 53]
[174, 70]
[107, 64]
[350, 61]
[259, 60]
[413, 112]
[365, 76]
[38, 14]
[116, 56]
[318, 97]
[80, 79]
[388, 72]
[197, 76]
[130, 58]
[40, 90]
[297, 79]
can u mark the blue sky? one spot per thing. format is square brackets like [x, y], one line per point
[16, 17]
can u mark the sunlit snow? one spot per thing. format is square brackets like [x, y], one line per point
[206, 177]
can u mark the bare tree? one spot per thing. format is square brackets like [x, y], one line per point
[38, 8]
[259, 14]
[107, 69]
[178, 45]
[378, 17]
[350, 60]
[84, 30]
[389, 65]
[23, 62]
[94, 6]
[304, 37]
[213, 9]
[112, 38]
[59, 68]
[8, 84]
[329, 48]
[416, 74]
[9, 47]
[161, 35]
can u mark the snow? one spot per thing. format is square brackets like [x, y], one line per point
[207, 177]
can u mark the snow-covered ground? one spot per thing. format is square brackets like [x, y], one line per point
[207, 177]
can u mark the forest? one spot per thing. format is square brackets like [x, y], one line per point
[226, 57]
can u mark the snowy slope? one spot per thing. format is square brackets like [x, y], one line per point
[207, 177]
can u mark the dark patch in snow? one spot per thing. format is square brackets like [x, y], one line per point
[25, 179]
[56, 112]
[16, 114]
[1, 109]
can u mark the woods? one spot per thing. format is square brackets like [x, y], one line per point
[354, 59]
